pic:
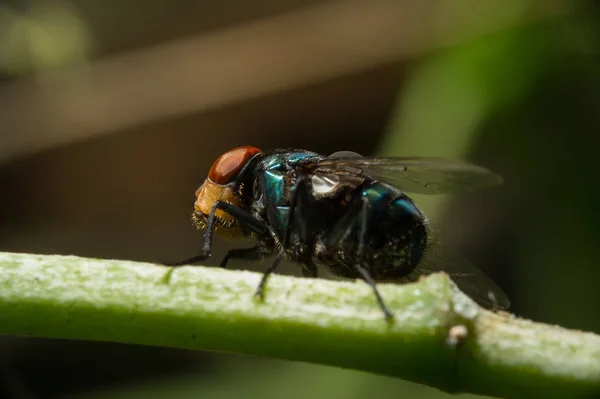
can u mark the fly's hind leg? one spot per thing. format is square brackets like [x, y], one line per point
[358, 210]
[360, 254]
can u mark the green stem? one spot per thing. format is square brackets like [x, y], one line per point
[439, 336]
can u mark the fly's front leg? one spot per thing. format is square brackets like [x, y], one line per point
[242, 216]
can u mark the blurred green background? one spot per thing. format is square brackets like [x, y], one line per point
[112, 112]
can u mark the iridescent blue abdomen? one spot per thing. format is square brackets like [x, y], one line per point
[395, 235]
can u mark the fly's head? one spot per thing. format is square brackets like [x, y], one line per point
[225, 182]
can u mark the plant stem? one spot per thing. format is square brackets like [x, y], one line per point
[439, 337]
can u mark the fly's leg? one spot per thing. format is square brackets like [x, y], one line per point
[254, 253]
[194, 259]
[360, 254]
[309, 270]
[300, 189]
[242, 216]
[359, 209]
[369, 280]
[286, 237]
[260, 290]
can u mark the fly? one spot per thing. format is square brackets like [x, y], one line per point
[345, 212]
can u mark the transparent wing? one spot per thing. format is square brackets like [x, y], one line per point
[467, 277]
[415, 175]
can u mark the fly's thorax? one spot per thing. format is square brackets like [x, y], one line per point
[275, 180]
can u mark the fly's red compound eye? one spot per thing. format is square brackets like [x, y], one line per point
[228, 165]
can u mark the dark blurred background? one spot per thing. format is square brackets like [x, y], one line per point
[112, 112]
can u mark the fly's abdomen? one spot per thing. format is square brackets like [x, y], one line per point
[394, 239]
[403, 242]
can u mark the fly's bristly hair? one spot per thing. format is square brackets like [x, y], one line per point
[240, 190]
[200, 223]
[195, 222]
